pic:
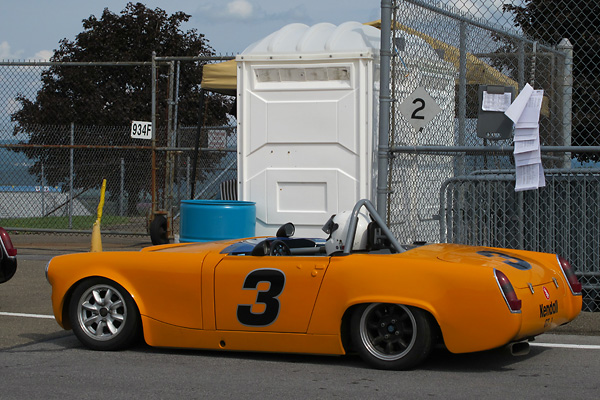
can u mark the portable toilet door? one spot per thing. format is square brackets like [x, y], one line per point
[306, 132]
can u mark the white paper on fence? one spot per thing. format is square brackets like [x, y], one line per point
[527, 158]
[523, 146]
[542, 179]
[518, 106]
[528, 177]
[527, 133]
[531, 113]
[527, 125]
[495, 102]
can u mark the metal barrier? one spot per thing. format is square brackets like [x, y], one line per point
[563, 218]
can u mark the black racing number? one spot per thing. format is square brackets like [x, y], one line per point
[276, 280]
[414, 115]
[510, 260]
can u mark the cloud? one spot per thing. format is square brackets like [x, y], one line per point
[247, 11]
[6, 52]
[227, 11]
[43, 55]
[240, 9]
[11, 106]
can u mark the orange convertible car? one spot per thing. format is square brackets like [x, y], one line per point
[389, 304]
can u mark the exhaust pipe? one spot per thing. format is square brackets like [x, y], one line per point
[518, 348]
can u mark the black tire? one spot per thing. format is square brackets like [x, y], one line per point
[8, 267]
[279, 248]
[391, 336]
[103, 315]
[158, 230]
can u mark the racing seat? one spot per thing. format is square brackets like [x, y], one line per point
[376, 240]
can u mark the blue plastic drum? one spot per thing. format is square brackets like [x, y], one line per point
[210, 220]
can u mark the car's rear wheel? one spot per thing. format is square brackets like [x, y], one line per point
[103, 315]
[391, 336]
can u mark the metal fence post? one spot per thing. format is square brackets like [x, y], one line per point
[43, 194]
[71, 175]
[384, 108]
[462, 93]
[187, 179]
[521, 64]
[122, 194]
[153, 119]
[567, 97]
[170, 173]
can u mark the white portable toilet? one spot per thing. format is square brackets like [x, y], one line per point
[307, 123]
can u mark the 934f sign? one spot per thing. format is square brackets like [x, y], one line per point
[141, 130]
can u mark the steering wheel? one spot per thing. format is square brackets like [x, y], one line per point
[279, 248]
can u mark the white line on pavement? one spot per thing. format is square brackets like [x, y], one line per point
[10, 314]
[567, 346]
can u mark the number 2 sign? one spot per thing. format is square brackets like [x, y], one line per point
[419, 108]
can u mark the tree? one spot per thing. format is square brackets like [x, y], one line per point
[109, 96]
[579, 21]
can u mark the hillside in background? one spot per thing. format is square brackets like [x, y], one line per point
[14, 168]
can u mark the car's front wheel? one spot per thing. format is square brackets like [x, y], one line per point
[103, 315]
[391, 336]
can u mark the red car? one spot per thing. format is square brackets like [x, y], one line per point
[8, 257]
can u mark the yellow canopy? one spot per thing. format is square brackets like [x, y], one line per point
[478, 72]
[220, 78]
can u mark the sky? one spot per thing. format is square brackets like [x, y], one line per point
[32, 29]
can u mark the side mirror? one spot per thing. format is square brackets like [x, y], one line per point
[286, 230]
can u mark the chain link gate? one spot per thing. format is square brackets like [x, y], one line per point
[185, 157]
[447, 183]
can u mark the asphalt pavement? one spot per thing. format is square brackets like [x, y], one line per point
[47, 245]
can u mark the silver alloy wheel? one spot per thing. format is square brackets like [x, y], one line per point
[388, 331]
[101, 312]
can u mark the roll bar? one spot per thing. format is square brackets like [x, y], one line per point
[375, 216]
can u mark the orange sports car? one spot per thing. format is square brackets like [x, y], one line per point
[358, 290]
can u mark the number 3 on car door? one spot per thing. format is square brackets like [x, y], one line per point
[277, 295]
[276, 280]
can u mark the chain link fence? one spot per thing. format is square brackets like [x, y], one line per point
[51, 170]
[448, 183]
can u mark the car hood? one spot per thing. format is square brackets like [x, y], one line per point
[522, 267]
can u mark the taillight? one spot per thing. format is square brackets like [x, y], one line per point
[10, 249]
[508, 292]
[569, 273]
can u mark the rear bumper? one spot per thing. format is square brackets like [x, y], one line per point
[545, 308]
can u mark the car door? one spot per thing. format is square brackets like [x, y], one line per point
[273, 294]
